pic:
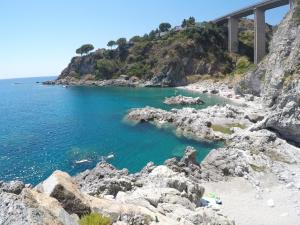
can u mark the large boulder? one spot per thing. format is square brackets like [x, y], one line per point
[187, 164]
[31, 207]
[61, 187]
[104, 179]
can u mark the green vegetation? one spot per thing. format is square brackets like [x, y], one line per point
[164, 27]
[94, 219]
[190, 22]
[276, 156]
[85, 49]
[122, 48]
[243, 65]
[121, 42]
[105, 69]
[139, 69]
[182, 52]
[257, 168]
[226, 128]
[287, 79]
[111, 44]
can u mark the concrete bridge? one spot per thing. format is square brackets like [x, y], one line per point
[258, 10]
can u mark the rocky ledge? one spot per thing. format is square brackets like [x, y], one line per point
[248, 146]
[183, 100]
[210, 124]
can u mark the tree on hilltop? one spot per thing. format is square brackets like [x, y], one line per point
[121, 42]
[190, 22]
[122, 48]
[164, 27]
[111, 44]
[85, 49]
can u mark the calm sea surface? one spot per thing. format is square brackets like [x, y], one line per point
[45, 128]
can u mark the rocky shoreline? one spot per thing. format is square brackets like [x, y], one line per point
[256, 173]
[255, 162]
[122, 81]
[163, 194]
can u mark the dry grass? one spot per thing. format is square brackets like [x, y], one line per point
[226, 128]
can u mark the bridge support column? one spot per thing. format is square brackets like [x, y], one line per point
[291, 4]
[233, 42]
[260, 35]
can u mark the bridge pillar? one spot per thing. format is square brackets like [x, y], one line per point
[260, 35]
[291, 4]
[233, 27]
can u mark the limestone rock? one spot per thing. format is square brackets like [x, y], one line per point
[277, 78]
[254, 117]
[248, 153]
[104, 179]
[31, 207]
[61, 187]
[191, 123]
[183, 100]
[14, 187]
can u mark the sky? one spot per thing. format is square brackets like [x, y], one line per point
[39, 37]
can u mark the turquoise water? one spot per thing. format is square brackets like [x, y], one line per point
[44, 128]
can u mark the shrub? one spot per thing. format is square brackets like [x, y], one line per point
[94, 219]
[139, 69]
[226, 128]
[105, 69]
[110, 54]
[242, 65]
[141, 49]
[188, 22]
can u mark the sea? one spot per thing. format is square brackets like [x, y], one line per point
[46, 128]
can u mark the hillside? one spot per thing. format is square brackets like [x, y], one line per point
[166, 58]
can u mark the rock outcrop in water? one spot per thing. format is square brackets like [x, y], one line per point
[183, 100]
[211, 124]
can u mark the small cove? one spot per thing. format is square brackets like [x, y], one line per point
[45, 128]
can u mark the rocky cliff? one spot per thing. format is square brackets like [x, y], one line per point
[277, 78]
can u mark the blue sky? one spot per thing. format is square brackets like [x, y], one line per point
[39, 37]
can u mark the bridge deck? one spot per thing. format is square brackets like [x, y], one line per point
[264, 5]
